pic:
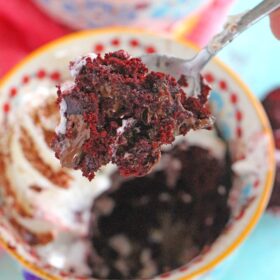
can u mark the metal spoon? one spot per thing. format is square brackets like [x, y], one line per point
[191, 68]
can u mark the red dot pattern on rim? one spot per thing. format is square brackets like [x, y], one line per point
[99, 48]
[239, 132]
[13, 92]
[233, 98]
[115, 42]
[55, 76]
[209, 77]
[223, 85]
[238, 115]
[6, 107]
[25, 79]
[134, 43]
[41, 74]
[150, 49]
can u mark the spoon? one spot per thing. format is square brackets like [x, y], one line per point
[191, 68]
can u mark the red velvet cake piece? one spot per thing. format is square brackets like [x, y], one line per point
[117, 111]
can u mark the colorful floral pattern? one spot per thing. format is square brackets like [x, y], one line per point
[97, 13]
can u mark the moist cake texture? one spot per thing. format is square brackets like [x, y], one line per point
[118, 111]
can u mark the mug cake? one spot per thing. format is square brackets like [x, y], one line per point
[169, 223]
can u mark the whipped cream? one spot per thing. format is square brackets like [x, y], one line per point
[207, 139]
[68, 252]
[55, 204]
[79, 63]
[61, 128]
[249, 165]
[35, 177]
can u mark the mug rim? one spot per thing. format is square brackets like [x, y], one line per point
[253, 100]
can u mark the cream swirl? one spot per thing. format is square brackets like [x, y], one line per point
[37, 188]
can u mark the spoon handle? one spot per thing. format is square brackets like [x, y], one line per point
[235, 26]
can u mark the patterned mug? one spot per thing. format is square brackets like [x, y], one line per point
[239, 117]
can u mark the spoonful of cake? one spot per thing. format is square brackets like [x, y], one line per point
[122, 110]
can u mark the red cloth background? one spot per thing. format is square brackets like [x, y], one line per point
[23, 28]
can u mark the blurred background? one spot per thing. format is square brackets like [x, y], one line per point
[255, 56]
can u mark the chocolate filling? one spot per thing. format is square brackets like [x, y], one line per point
[153, 224]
